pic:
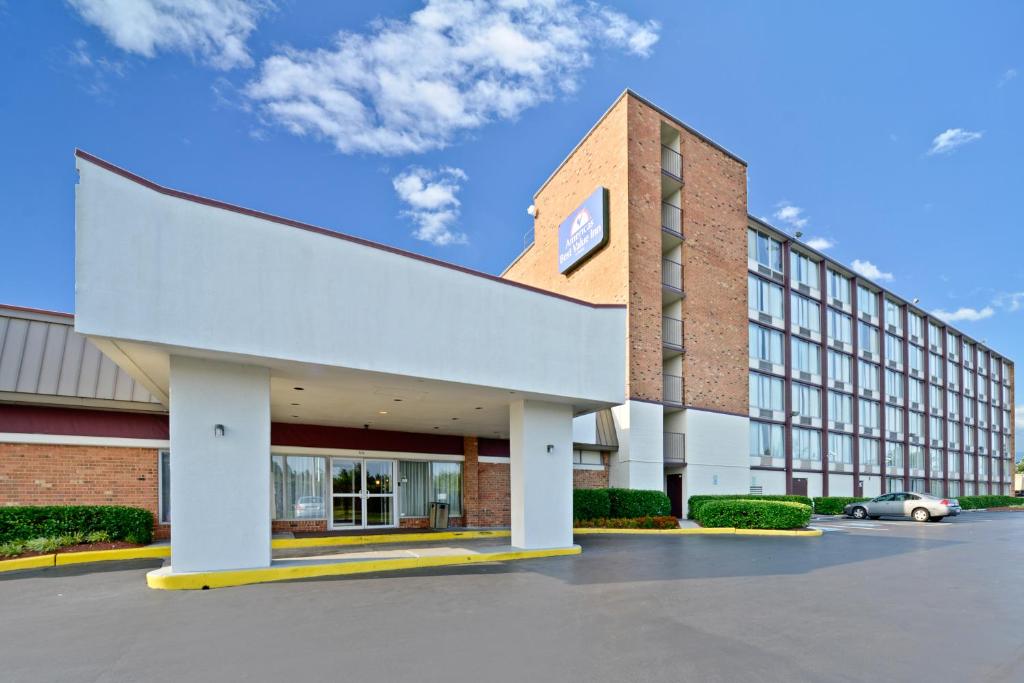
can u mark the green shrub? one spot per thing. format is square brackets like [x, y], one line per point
[696, 502]
[979, 502]
[12, 548]
[42, 545]
[97, 537]
[21, 523]
[590, 504]
[754, 514]
[833, 505]
[633, 503]
[659, 522]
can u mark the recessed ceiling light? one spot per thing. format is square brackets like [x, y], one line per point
[295, 416]
[479, 408]
[436, 427]
[397, 400]
[455, 418]
[298, 388]
[383, 412]
[295, 404]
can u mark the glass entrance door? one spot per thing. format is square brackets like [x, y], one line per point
[362, 493]
[346, 493]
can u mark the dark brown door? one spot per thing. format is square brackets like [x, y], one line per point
[674, 484]
[799, 487]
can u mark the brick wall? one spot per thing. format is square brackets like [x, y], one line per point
[44, 474]
[590, 479]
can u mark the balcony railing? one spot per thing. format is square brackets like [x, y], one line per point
[672, 274]
[671, 332]
[675, 448]
[672, 162]
[672, 219]
[672, 389]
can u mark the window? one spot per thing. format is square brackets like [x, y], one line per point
[954, 463]
[867, 337]
[934, 334]
[766, 344]
[953, 434]
[935, 396]
[967, 351]
[867, 375]
[952, 344]
[951, 403]
[767, 440]
[951, 372]
[969, 382]
[764, 296]
[838, 286]
[894, 419]
[764, 250]
[839, 365]
[893, 484]
[164, 474]
[893, 454]
[427, 482]
[915, 325]
[806, 400]
[867, 301]
[840, 448]
[935, 427]
[840, 407]
[969, 438]
[587, 458]
[893, 348]
[894, 384]
[766, 392]
[805, 312]
[868, 451]
[935, 366]
[915, 390]
[916, 455]
[894, 314]
[298, 483]
[868, 413]
[840, 326]
[806, 444]
[803, 269]
[915, 358]
[806, 356]
[917, 424]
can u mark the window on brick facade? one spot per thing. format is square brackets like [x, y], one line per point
[805, 312]
[867, 301]
[803, 269]
[764, 297]
[764, 250]
[164, 475]
[298, 484]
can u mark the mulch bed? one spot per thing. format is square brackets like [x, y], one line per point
[1013, 508]
[81, 547]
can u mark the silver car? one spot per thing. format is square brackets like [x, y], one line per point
[921, 507]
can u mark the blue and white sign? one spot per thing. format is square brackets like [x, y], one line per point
[584, 231]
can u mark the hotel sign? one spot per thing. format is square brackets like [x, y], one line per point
[584, 231]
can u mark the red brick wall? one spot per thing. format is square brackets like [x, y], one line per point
[495, 505]
[590, 479]
[44, 474]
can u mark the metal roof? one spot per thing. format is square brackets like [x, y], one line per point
[42, 356]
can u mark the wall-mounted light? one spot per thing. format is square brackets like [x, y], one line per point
[551, 448]
[218, 430]
[532, 210]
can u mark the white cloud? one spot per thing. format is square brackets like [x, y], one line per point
[1018, 416]
[433, 204]
[948, 140]
[1009, 301]
[408, 86]
[964, 313]
[791, 215]
[820, 243]
[1007, 76]
[870, 271]
[214, 30]
[95, 72]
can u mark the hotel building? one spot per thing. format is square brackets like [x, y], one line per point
[652, 335]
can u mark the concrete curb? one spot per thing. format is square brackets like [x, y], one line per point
[715, 531]
[161, 579]
[144, 553]
[28, 563]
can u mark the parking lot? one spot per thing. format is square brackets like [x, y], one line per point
[892, 601]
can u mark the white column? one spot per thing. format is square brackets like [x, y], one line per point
[639, 462]
[220, 484]
[540, 474]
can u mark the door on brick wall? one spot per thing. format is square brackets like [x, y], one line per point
[799, 486]
[674, 488]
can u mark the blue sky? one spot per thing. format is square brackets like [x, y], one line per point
[892, 131]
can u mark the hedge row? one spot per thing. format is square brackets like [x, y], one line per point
[978, 502]
[661, 522]
[833, 505]
[22, 523]
[695, 503]
[754, 514]
[619, 504]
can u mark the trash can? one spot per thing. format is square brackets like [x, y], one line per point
[439, 515]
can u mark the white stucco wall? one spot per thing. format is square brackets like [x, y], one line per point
[219, 484]
[540, 481]
[638, 463]
[157, 268]
[717, 453]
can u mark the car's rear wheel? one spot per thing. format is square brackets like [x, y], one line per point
[858, 513]
[920, 515]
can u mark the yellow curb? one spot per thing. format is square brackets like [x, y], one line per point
[369, 539]
[242, 577]
[145, 552]
[27, 563]
[709, 531]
